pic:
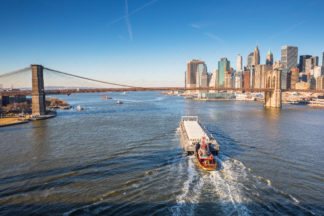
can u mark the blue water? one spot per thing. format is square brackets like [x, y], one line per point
[126, 159]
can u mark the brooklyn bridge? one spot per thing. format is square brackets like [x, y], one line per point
[272, 92]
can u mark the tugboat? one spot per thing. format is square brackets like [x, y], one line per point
[204, 156]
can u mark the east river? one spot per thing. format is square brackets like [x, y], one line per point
[112, 159]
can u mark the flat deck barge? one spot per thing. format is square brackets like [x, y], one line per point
[192, 133]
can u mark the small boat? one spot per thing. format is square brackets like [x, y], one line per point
[79, 108]
[105, 97]
[119, 102]
[204, 156]
[124, 92]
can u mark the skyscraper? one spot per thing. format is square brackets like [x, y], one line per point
[239, 63]
[191, 74]
[256, 59]
[289, 57]
[249, 60]
[223, 66]
[323, 59]
[302, 62]
[269, 58]
[201, 75]
[310, 64]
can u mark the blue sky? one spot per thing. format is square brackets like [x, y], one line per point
[148, 42]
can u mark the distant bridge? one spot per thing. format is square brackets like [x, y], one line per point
[272, 91]
[98, 90]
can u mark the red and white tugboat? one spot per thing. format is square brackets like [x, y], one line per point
[204, 156]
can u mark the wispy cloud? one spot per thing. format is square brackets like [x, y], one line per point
[132, 12]
[214, 37]
[129, 25]
[193, 25]
[291, 28]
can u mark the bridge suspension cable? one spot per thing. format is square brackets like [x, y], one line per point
[15, 72]
[90, 79]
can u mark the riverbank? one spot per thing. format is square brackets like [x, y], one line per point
[12, 121]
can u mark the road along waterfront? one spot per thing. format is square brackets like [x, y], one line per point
[126, 159]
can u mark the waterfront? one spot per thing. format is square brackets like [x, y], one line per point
[126, 159]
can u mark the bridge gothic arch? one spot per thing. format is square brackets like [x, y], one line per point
[273, 81]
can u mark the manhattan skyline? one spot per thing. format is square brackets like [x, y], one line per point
[149, 42]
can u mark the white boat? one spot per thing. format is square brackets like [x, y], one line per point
[79, 108]
[119, 102]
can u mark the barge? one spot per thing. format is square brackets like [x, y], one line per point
[193, 134]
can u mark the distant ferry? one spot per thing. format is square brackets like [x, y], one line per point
[119, 102]
[196, 140]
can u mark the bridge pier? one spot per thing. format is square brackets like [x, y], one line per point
[274, 98]
[38, 92]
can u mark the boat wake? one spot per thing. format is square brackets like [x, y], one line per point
[231, 190]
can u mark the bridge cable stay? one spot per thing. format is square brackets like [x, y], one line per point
[15, 72]
[90, 79]
[17, 79]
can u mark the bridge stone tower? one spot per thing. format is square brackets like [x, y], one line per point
[38, 93]
[273, 98]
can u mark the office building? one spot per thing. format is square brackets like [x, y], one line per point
[238, 81]
[253, 58]
[246, 78]
[223, 66]
[191, 73]
[249, 60]
[269, 58]
[320, 83]
[310, 64]
[289, 57]
[323, 59]
[302, 62]
[294, 78]
[312, 83]
[201, 76]
[256, 56]
[228, 79]
[318, 71]
[239, 66]
[284, 78]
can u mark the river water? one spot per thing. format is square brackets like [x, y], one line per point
[126, 159]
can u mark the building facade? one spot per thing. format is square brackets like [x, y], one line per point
[238, 80]
[239, 66]
[289, 57]
[302, 62]
[310, 64]
[256, 56]
[259, 75]
[294, 78]
[191, 73]
[246, 78]
[318, 71]
[269, 58]
[223, 66]
[201, 76]
[320, 83]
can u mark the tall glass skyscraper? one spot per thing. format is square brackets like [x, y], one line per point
[289, 57]
[223, 66]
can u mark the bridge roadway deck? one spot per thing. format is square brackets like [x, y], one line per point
[94, 90]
